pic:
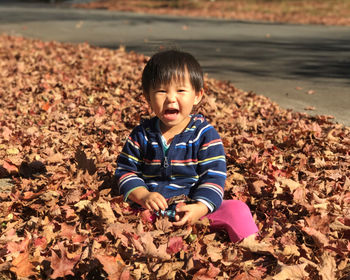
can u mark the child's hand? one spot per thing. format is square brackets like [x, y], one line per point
[148, 200]
[189, 213]
[154, 201]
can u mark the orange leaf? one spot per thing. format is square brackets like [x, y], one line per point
[6, 133]
[31, 195]
[22, 266]
[46, 106]
[209, 273]
[10, 167]
[114, 266]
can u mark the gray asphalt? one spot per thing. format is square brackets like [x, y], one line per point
[281, 61]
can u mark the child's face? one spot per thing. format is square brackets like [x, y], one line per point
[173, 103]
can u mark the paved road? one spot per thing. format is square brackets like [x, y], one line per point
[280, 61]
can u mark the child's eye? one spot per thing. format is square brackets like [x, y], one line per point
[161, 91]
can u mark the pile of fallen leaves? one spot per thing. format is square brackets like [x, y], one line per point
[65, 111]
[326, 12]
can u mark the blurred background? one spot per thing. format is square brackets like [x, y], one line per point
[293, 11]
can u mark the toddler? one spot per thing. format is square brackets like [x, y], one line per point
[179, 154]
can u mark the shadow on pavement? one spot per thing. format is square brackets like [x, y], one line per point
[305, 60]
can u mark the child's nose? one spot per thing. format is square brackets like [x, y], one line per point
[171, 96]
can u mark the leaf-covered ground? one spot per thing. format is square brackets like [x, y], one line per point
[65, 111]
[327, 12]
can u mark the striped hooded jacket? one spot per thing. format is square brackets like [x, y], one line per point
[194, 163]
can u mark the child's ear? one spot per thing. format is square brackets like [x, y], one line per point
[198, 96]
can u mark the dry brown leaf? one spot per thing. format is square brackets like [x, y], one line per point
[318, 237]
[214, 252]
[289, 272]
[168, 270]
[106, 212]
[163, 224]
[291, 250]
[289, 183]
[253, 245]
[150, 248]
[328, 267]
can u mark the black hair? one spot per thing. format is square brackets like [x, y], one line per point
[164, 66]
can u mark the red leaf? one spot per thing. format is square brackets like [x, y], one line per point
[148, 216]
[62, 266]
[40, 242]
[100, 111]
[175, 245]
[14, 247]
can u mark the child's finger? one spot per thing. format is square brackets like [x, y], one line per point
[182, 207]
[152, 205]
[182, 221]
[157, 204]
[163, 203]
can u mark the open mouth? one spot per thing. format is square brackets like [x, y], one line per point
[171, 114]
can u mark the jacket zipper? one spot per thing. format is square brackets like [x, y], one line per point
[165, 163]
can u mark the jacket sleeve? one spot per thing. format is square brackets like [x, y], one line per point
[129, 163]
[211, 169]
